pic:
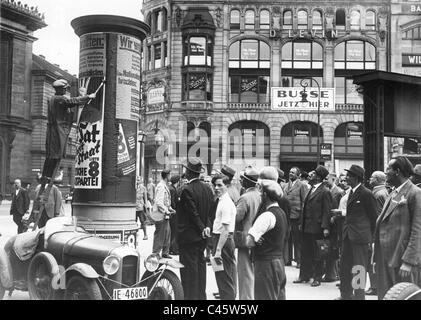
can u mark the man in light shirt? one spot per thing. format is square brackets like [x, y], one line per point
[223, 230]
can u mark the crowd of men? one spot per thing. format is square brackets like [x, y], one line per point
[332, 227]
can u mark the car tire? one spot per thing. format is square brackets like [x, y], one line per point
[41, 272]
[168, 287]
[401, 291]
[81, 288]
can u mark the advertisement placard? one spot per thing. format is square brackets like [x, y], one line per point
[290, 99]
[126, 157]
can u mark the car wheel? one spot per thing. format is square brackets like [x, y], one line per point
[168, 287]
[81, 288]
[41, 272]
[403, 291]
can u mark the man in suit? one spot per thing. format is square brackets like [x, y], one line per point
[20, 204]
[194, 220]
[314, 226]
[53, 206]
[397, 244]
[246, 212]
[357, 235]
[295, 192]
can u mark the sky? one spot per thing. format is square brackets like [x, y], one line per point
[58, 42]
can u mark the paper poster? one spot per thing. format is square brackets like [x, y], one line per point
[127, 143]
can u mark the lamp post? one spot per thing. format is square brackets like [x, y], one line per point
[141, 155]
[304, 84]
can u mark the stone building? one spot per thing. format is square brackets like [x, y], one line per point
[218, 68]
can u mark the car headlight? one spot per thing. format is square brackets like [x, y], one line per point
[111, 265]
[152, 262]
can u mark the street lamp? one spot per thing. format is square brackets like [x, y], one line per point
[304, 83]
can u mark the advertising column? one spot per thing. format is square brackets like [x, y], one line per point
[110, 64]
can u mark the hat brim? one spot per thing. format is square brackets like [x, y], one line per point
[354, 173]
[247, 178]
[202, 170]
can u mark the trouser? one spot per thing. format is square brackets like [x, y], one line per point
[372, 276]
[226, 279]
[245, 270]
[174, 235]
[353, 269]
[332, 257]
[17, 218]
[296, 238]
[193, 275]
[142, 218]
[43, 219]
[311, 265]
[162, 237]
[50, 165]
[270, 279]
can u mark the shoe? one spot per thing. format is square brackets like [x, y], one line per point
[298, 266]
[216, 295]
[145, 238]
[315, 283]
[167, 256]
[338, 284]
[371, 292]
[300, 281]
[288, 264]
[328, 280]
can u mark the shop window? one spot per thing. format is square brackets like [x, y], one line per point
[235, 20]
[198, 51]
[197, 86]
[346, 91]
[295, 81]
[370, 20]
[317, 20]
[249, 53]
[264, 20]
[157, 54]
[349, 140]
[355, 20]
[287, 19]
[249, 88]
[340, 19]
[355, 55]
[302, 19]
[300, 137]
[249, 20]
[302, 55]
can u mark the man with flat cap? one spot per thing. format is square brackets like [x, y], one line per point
[194, 220]
[315, 223]
[357, 235]
[246, 212]
[232, 190]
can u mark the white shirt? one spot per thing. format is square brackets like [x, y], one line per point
[343, 202]
[225, 214]
[316, 186]
[264, 223]
[16, 192]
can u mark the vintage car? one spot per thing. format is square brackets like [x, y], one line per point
[62, 261]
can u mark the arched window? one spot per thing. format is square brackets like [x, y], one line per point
[317, 20]
[302, 19]
[355, 20]
[249, 20]
[300, 137]
[235, 19]
[349, 141]
[287, 19]
[340, 19]
[159, 21]
[302, 55]
[355, 54]
[264, 19]
[164, 20]
[370, 20]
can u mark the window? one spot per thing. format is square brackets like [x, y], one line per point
[235, 20]
[349, 140]
[355, 20]
[287, 19]
[249, 20]
[249, 88]
[302, 55]
[165, 58]
[149, 58]
[346, 91]
[300, 137]
[317, 20]
[158, 21]
[249, 53]
[412, 34]
[340, 19]
[197, 86]
[302, 19]
[157, 49]
[264, 19]
[295, 81]
[370, 20]
[356, 55]
[198, 50]
[6, 73]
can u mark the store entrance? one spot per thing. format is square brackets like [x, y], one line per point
[303, 165]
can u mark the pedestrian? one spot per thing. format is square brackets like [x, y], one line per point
[223, 230]
[357, 235]
[142, 206]
[397, 244]
[233, 192]
[304, 179]
[53, 207]
[268, 237]
[295, 191]
[162, 203]
[247, 207]
[194, 223]
[416, 177]
[314, 226]
[20, 205]
[173, 186]
[150, 189]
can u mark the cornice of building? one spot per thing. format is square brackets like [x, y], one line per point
[22, 13]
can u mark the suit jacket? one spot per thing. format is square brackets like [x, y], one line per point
[162, 197]
[316, 211]
[380, 194]
[194, 211]
[398, 228]
[20, 203]
[361, 215]
[247, 207]
[296, 194]
[53, 207]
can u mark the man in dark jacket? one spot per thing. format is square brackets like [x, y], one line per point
[194, 212]
[315, 225]
[357, 235]
[20, 204]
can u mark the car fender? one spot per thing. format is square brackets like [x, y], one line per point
[84, 269]
[6, 276]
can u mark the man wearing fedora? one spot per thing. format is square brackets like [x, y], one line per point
[246, 212]
[315, 224]
[357, 235]
[232, 190]
[194, 220]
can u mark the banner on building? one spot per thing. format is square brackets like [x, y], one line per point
[127, 144]
[290, 99]
[411, 60]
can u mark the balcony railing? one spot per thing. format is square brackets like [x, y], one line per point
[248, 106]
[341, 107]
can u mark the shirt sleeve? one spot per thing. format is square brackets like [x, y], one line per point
[264, 223]
[228, 212]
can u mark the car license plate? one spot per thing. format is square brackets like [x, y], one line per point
[137, 293]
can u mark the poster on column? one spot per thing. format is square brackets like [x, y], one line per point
[126, 156]
[128, 77]
[92, 66]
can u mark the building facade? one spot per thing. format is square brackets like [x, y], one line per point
[234, 71]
